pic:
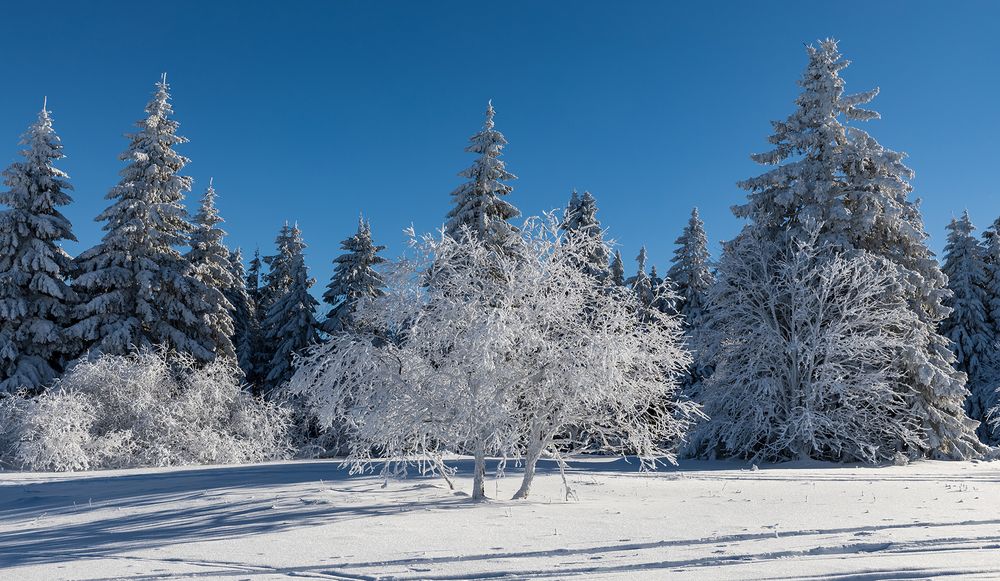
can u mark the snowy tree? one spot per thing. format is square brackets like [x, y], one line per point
[290, 325]
[354, 278]
[972, 335]
[617, 269]
[506, 380]
[258, 358]
[580, 219]
[641, 284]
[805, 368]
[137, 289]
[692, 277]
[34, 298]
[839, 177]
[210, 264]
[479, 204]
[246, 326]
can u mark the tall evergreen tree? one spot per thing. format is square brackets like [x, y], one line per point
[138, 290]
[211, 265]
[255, 357]
[841, 179]
[641, 284]
[246, 327]
[354, 277]
[972, 336]
[617, 269]
[291, 321]
[580, 219]
[478, 203]
[692, 278]
[34, 298]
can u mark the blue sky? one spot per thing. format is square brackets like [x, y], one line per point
[316, 111]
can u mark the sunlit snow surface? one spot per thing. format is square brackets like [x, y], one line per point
[700, 521]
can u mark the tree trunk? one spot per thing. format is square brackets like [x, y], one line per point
[530, 461]
[478, 487]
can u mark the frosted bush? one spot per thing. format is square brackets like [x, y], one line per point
[144, 409]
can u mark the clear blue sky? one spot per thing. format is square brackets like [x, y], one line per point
[316, 111]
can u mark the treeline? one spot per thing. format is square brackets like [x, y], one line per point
[826, 330]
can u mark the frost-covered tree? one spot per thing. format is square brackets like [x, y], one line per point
[256, 369]
[479, 204]
[505, 380]
[210, 264]
[641, 284]
[805, 366]
[839, 177]
[354, 277]
[691, 275]
[290, 325]
[690, 270]
[35, 301]
[137, 289]
[580, 219]
[617, 269]
[972, 335]
[246, 327]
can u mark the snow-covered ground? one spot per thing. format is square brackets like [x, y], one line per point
[699, 521]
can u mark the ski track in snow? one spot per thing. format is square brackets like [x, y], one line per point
[702, 520]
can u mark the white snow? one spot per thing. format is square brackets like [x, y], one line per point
[719, 520]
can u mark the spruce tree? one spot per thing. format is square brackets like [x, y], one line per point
[692, 278]
[35, 301]
[838, 179]
[291, 324]
[580, 219]
[258, 358]
[211, 265]
[972, 336]
[246, 327]
[641, 284]
[138, 291]
[617, 269]
[354, 277]
[479, 203]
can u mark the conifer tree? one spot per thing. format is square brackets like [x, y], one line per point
[138, 291]
[291, 324]
[354, 278]
[692, 278]
[479, 203]
[211, 265]
[840, 179]
[580, 219]
[258, 359]
[34, 298]
[641, 284]
[246, 327]
[972, 336]
[617, 269]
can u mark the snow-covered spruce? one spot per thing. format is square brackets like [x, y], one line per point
[580, 219]
[137, 290]
[972, 336]
[143, 409]
[858, 191]
[354, 277]
[804, 368]
[210, 265]
[691, 276]
[290, 325]
[500, 356]
[253, 356]
[246, 327]
[617, 269]
[35, 301]
[479, 206]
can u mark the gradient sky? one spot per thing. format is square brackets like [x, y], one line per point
[316, 111]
